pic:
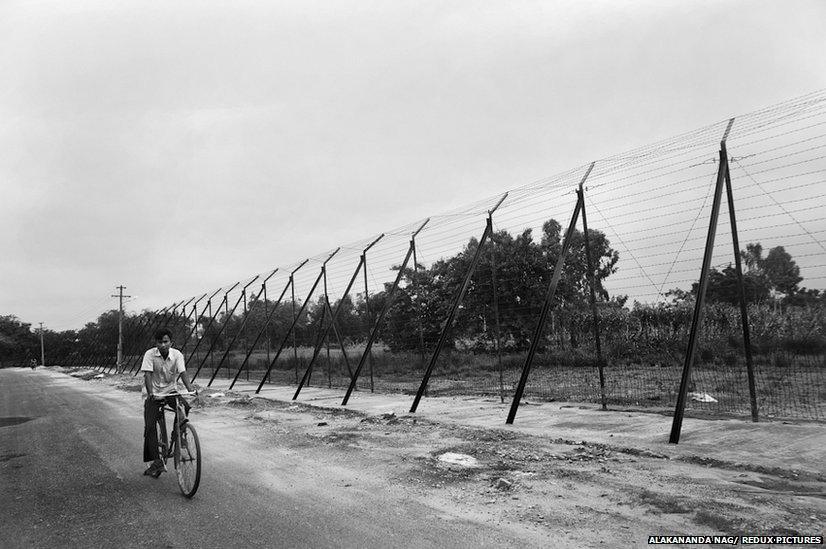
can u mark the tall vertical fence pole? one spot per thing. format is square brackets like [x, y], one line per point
[325, 311]
[697, 318]
[264, 329]
[497, 325]
[290, 329]
[592, 296]
[457, 301]
[546, 306]
[295, 319]
[192, 330]
[741, 289]
[388, 301]
[242, 327]
[267, 322]
[325, 332]
[367, 311]
[333, 320]
[418, 309]
[227, 319]
[212, 318]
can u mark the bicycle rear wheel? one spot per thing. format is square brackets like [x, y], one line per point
[189, 464]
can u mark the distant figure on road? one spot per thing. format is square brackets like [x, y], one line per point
[162, 366]
[33, 363]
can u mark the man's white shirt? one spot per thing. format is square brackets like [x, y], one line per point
[165, 371]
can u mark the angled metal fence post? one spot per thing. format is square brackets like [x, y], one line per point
[388, 301]
[126, 326]
[91, 356]
[546, 306]
[108, 366]
[457, 301]
[679, 411]
[264, 330]
[99, 350]
[181, 319]
[741, 289]
[243, 325]
[212, 318]
[194, 330]
[129, 334]
[593, 296]
[206, 314]
[102, 355]
[194, 314]
[289, 331]
[333, 319]
[228, 315]
[227, 319]
[339, 338]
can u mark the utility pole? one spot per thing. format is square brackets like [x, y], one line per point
[42, 349]
[120, 297]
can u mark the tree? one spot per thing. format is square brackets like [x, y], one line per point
[524, 268]
[723, 286]
[16, 338]
[780, 270]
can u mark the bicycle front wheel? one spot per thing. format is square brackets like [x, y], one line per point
[189, 465]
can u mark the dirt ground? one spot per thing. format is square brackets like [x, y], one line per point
[579, 491]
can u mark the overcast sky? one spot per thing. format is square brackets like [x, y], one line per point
[177, 146]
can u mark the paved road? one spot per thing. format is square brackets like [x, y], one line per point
[70, 476]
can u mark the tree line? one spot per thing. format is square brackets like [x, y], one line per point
[521, 267]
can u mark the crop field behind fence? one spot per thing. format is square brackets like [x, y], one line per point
[789, 386]
[513, 287]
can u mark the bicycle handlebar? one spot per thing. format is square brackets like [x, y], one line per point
[175, 393]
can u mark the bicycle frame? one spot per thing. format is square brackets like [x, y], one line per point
[169, 441]
[182, 445]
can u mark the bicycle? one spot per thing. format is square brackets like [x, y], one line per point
[183, 446]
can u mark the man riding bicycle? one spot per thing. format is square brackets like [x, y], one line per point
[162, 366]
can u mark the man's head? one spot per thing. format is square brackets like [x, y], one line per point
[163, 340]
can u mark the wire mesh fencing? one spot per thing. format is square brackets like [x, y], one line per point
[460, 302]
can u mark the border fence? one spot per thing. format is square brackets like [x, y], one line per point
[686, 275]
